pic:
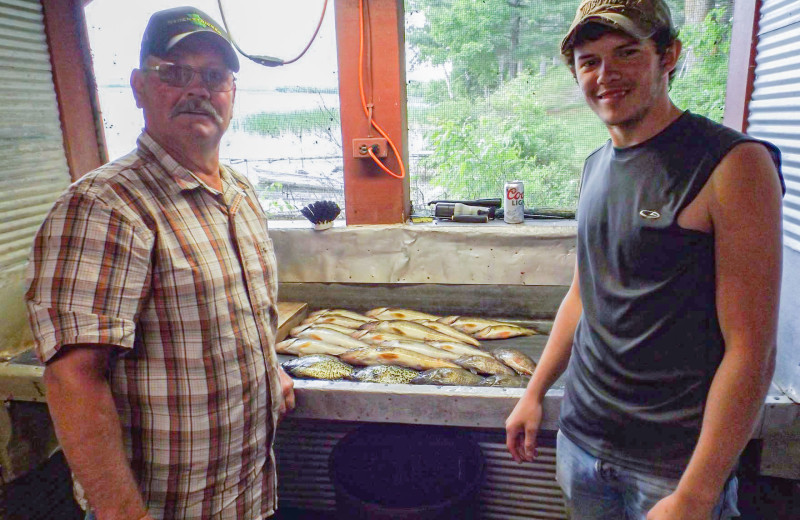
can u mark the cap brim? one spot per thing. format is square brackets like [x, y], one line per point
[231, 59]
[613, 20]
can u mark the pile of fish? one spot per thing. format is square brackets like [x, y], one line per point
[405, 346]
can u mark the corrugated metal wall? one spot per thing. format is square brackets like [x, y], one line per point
[775, 105]
[33, 166]
[510, 491]
[775, 116]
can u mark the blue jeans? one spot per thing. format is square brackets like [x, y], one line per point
[598, 490]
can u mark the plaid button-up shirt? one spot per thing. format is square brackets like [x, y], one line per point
[181, 280]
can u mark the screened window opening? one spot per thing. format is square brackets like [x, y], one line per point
[285, 135]
[490, 101]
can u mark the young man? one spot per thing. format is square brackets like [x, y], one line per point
[152, 297]
[667, 332]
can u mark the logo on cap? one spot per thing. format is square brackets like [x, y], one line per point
[198, 20]
[649, 213]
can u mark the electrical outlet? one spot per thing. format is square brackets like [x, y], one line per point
[361, 147]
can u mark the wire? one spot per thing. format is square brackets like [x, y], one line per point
[368, 107]
[271, 61]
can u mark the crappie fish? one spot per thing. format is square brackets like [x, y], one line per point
[338, 328]
[450, 331]
[410, 329]
[344, 313]
[384, 374]
[503, 332]
[447, 376]
[383, 313]
[515, 359]
[350, 323]
[506, 381]
[484, 365]
[393, 356]
[317, 367]
[375, 337]
[456, 347]
[422, 348]
[333, 337]
[307, 347]
[468, 325]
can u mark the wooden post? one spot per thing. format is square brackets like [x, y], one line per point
[741, 63]
[81, 123]
[371, 195]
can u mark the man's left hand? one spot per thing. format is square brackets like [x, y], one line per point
[680, 507]
[287, 389]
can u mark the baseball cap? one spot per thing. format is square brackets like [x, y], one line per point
[639, 18]
[168, 27]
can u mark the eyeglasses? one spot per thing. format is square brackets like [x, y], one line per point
[217, 80]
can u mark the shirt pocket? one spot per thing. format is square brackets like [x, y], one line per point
[258, 264]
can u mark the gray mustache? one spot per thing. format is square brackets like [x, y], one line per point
[196, 105]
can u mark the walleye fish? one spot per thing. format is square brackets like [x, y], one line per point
[383, 313]
[422, 348]
[307, 347]
[393, 356]
[384, 374]
[318, 312]
[503, 332]
[333, 337]
[338, 328]
[468, 325]
[447, 376]
[376, 338]
[409, 329]
[484, 365]
[459, 348]
[282, 347]
[506, 381]
[336, 320]
[317, 367]
[520, 362]
[344, 313]
[296, 362]
[450, 331]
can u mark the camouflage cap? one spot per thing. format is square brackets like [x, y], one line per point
[639, 18]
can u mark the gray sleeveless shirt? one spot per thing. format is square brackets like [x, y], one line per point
[648, 343]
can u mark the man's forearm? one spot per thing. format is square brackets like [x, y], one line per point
[89, 431]
[734, 402]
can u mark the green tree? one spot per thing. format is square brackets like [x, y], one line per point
[701, 81]
[477, 146]
[505, 113]
[485, 43]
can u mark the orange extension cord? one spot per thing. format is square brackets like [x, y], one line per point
[368, 107]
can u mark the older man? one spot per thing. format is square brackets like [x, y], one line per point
[152, 297]
[668, 331]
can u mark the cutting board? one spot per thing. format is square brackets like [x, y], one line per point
[290, 314]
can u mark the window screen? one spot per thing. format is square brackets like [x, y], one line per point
[285, 134]
[491, 101]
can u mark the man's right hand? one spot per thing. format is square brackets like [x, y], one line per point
[522, 426]
[88, 428]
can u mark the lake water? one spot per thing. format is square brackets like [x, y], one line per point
[123, 122]
[298, 168]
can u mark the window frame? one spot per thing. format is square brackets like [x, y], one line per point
[371, 196]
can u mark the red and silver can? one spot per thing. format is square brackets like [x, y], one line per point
[514, 203]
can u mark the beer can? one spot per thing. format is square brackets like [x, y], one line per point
[514, 203]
